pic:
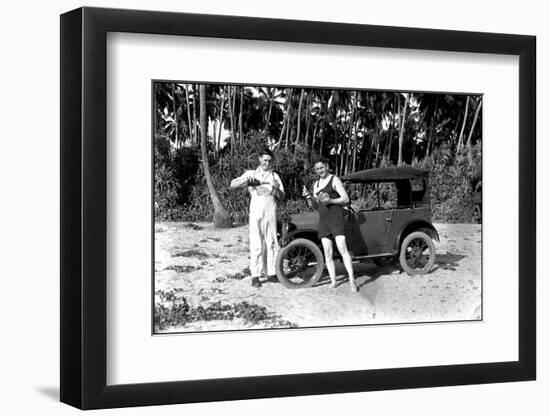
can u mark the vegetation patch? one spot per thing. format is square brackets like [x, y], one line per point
[238, 276]
[194, 253]
[182, 268]
[174, 311]
[193, 226]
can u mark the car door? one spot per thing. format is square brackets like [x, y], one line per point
[400, 217]
[374, 230]
[367, 231]
[368, 225]
[354, 238]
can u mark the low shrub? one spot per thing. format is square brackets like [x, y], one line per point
[181, 193]
[174, 311]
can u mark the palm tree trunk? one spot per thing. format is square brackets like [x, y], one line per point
[402, 131]
[364, 152]
[231, 106]
[368, 163]
[392, 124]
[454, 131]
[269, 111]
[351, 140]
[189, 123]
[288, 126]
[308, 119]
[314, 137]
[377, 136]
[176, 136]
[322, 139]
[287, 116]
[459, 146]
[221, 217]
[195, 111]
[337, 154]
[469, 142]
[298, 121]
[241, 116]
[342, 155]
[432, 124]
[220, 125]
[283, 127]
[355, 146]
[285, 119]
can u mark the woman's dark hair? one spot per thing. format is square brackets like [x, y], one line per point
[322, 160]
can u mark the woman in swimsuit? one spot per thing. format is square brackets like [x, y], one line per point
[329, 195]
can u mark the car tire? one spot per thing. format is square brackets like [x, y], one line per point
[476, 217]
[299, 264]
[417, 255]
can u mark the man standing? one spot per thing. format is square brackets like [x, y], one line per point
[265, 188]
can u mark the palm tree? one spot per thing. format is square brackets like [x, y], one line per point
[298, 121]
[402, 129]
[468, 143]
[221, 218]
[460, 137]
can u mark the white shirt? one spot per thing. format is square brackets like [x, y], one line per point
[267, 180]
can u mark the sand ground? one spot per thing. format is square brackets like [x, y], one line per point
[206, 265]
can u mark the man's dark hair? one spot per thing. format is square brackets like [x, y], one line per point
[265, 151]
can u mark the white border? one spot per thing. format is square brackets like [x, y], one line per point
[134, 356]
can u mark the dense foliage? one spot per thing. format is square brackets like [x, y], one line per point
[354, 129]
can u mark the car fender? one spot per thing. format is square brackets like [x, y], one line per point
[416, 225]
[309, 234]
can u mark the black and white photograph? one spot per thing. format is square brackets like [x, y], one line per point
[244, 208]
[284, 207]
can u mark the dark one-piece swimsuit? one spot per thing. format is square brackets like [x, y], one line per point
[331, 216]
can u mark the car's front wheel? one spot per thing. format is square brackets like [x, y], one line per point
[299, 264]
[417, 254]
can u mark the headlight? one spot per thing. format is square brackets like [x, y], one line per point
[282, 230]
[285, 228]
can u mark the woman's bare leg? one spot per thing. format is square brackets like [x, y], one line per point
[327, 247]
[346, 257]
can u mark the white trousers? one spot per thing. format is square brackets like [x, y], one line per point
[263, 235]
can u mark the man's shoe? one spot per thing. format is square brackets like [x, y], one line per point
[272, 278]
[256, 282]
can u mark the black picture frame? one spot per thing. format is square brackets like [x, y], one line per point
[84, 207]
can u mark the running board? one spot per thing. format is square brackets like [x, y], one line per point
[378, 255]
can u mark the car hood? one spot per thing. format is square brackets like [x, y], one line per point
[309, 220]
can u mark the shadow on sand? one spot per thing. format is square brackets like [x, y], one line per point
[372, 272]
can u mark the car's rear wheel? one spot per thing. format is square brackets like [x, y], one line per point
[417, 254]
[299, 264]
[476, 216]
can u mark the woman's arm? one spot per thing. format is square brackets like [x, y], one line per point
[339, 188]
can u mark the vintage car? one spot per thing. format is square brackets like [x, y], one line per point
[388, 217]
